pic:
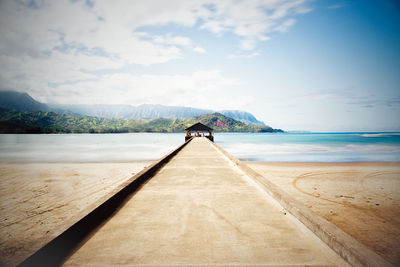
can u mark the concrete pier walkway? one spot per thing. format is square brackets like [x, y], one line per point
[200, 209]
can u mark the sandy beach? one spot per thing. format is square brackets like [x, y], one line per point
[36, 200]
[39, 200]
[360, 198]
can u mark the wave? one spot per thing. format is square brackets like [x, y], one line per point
[313, 152]
[379, 134]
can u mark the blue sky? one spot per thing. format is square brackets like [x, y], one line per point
[297, 65]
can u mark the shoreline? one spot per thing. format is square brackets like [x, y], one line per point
[330, 163]
[79, 162]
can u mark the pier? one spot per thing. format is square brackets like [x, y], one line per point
[199, 206]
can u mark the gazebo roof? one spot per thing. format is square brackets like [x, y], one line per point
[199, 127]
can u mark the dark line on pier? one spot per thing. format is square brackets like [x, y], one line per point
[60, 248]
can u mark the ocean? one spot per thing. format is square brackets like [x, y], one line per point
[312, 147]
[271, 147]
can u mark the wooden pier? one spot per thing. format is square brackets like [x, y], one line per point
[194, 207]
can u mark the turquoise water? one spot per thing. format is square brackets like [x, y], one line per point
[312, 147]
[285, 147]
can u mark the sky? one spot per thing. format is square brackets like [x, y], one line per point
[321, 65]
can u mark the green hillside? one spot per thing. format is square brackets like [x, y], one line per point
[12, 121]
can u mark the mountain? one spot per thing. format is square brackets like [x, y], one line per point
[242, 116]
[221, 123]
[146, 111]
[24, 102]
[12, 121]
[20, 101]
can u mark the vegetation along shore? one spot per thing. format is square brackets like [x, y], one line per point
[13, 121]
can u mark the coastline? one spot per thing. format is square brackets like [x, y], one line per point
[38, 198]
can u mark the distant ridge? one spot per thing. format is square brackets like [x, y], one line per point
[149, 112]
[242, 116]
[20, 101]
[24, 102]
[13, 121]
[145, 111]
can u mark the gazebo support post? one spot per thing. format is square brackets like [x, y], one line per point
[211, 135]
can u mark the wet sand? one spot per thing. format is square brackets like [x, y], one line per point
[363, 199]
[39, 201]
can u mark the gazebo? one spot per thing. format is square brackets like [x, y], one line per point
[199, 129]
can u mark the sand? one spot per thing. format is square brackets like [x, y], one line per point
[363, 199]
[39, 201]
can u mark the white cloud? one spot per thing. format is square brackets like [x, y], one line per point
[48, 43]
[285, 25]
[172, 40]
[252, 20]
[251, 55]
[179, 41]
[136, 89]
[303, 10]
[111, 26]
[199, 49]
